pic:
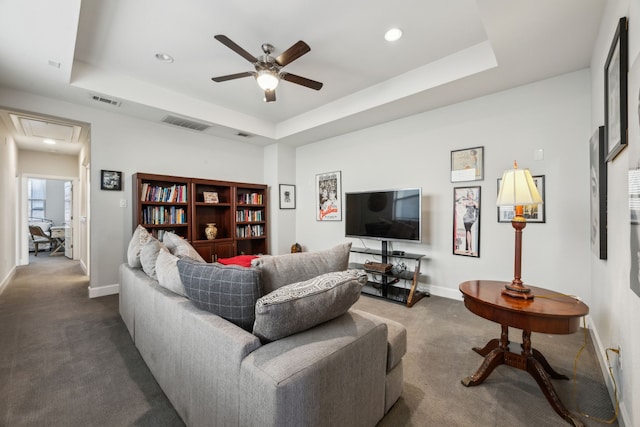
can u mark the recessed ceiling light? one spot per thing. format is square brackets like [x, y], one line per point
[49, 141]
[393, 35]
[164, 57]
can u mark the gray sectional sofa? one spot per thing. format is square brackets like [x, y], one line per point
[346, 371]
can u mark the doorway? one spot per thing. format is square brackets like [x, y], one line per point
[49, 204]
[50, 213]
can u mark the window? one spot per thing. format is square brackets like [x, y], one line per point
[37, 197]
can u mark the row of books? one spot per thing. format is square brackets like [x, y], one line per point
[164, 215]
[250, 199]
[249, 230]
[247, 215]
[172, 194]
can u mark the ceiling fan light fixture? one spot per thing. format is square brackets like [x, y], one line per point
[267, 79]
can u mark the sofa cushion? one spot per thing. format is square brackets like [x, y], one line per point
[229, 291]
[180, 247]
[299, 306]
[139, 238]
[149, 256]
[167, 271]
[285, 269]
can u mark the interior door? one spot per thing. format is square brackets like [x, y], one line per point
[68, 216]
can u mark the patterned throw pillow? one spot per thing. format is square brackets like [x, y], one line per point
[167, 271]
[149, 256]
[138, 240]
[300, 306]
[180, 247]
[230, 291]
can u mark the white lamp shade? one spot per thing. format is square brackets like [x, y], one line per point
[518, 189]
[267, 79]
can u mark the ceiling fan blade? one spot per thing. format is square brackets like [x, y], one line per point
[293, 53]
[231, 76]
[303, 81]
[269, 95]
[234, 47]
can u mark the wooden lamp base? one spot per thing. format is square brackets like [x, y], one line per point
[516, 289]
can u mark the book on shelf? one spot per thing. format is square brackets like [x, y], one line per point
[244, 231]
[247, 215]
[156, 193]
[158, 215]
[250, 199]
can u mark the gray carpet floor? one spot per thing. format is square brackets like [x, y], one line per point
[67, 360]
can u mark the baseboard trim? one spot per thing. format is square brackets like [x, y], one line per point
[623, 415]
[7, 279]
[441, 291]
[101, 291]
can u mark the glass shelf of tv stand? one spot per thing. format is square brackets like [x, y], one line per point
[389, 286]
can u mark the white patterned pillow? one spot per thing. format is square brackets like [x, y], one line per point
[300, 306]
[149, 255]
[139, 238]
[180, 247]
[167, 271]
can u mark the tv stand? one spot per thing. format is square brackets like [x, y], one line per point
[384, 285]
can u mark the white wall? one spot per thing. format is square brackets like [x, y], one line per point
[280, 168]
[615, 308]
[129, 145]
[8, 223]
[552, 115]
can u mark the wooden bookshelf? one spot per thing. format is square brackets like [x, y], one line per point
[161, 204]
[186, 205]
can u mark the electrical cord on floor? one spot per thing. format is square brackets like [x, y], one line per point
[615, 387]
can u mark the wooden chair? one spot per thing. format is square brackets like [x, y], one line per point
[39, 237]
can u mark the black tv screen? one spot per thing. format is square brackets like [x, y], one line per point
[384, 215]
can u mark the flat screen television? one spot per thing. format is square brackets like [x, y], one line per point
[393, 215]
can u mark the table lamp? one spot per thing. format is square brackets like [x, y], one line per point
[517, 189]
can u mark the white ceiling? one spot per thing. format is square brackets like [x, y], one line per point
[451, 51]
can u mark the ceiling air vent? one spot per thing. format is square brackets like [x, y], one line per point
[106, 100]
[244, 135]
[184, 123]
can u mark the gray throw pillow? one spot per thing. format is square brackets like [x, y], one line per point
[300, 306]
[180, 247]
[139, 238]
[285, 269]
[149, 256]
[230, 291]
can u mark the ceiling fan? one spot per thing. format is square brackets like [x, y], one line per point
[269, 71]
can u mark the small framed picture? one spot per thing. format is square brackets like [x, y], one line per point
[533, 213]
[210, 197]
[110, 180]
[615, 89]
[466, 221]
[467, 164]
[328, 196]
[287, 196]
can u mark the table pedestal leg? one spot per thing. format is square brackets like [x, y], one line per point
[496, 352]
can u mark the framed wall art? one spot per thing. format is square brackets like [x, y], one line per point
[533, 213]
[210, 197]
[598, 186]
[287, 196]
[467, 164]
[110, 180]
[466, 221]
[615, 92]
[328, 196]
